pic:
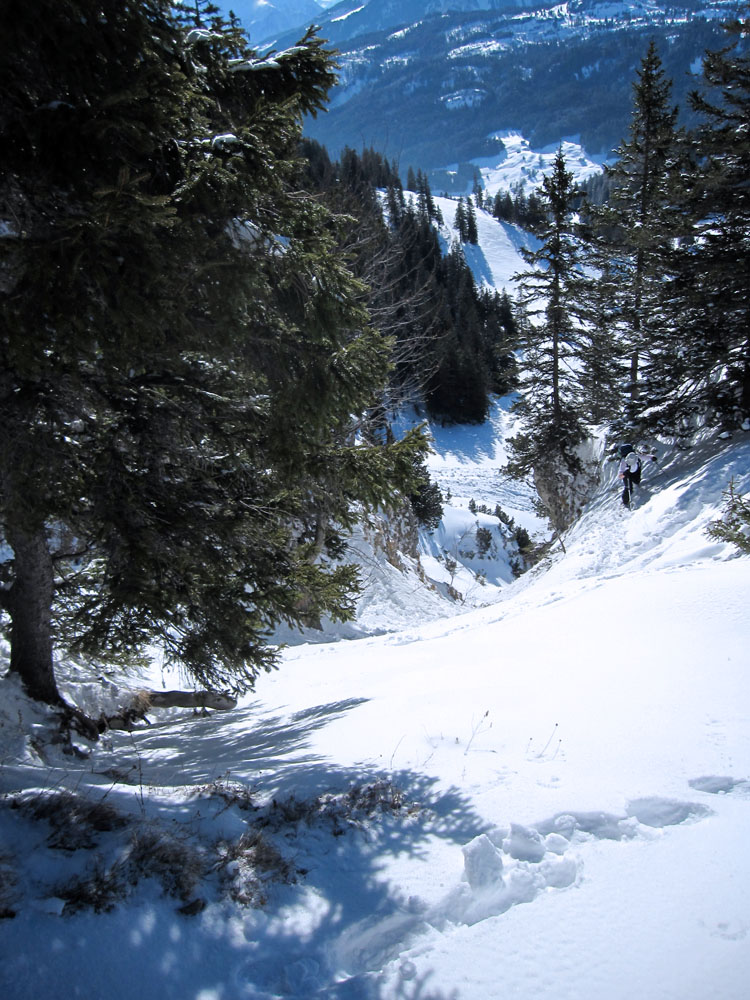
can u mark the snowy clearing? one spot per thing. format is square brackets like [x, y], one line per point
[523, 168]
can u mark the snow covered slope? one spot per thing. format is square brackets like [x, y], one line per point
[545, 798]
[496, 257]
[523, 168]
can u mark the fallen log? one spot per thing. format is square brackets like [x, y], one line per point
[128, 717]
[190, 699]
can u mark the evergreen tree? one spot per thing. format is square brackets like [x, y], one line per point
[734, 524]
[713, 289]
[520, 210]
[396, 203]
[478, 191]
[425, 202]
[553, 295]
[460, 220]
[474, 354]
[452, 346]
[534, 214]
[472, 235]
[552, 289]
[465, 221]
[182, 346]
[636, 230]
[503, 207]
[602, 358]
[500, 338]
[427, 498]
[460, 386]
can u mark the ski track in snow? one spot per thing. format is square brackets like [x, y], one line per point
[468, 463]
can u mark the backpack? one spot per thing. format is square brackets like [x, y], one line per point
[625, 450]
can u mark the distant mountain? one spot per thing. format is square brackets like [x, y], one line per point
[263, 19]
[352, 18]
[266, 20]
[434, 85]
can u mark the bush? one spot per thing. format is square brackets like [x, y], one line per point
[522, 538]
[484, 541]
[8, 886]
[100, 889]
[734, 524]
[427, 499]
[176, 864]
[77, 822]
[248, 865]
[503, 518]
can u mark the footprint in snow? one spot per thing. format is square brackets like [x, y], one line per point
[509, 866]
[716, 784]
[502, 868]
[729, 930]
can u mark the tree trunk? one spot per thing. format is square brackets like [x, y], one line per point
[29, 603]
[190, 699]
[635, 389]
[635, 358]
[745, 384]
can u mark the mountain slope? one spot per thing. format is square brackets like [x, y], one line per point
[352, 18]
[435, 91]
[262, 19]
[540, 792]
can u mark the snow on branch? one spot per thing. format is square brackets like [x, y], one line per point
[272, 60]
[201, 35]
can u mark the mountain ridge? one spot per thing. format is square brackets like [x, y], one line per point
[433, 93]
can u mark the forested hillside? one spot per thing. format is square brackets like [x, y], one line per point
[614, 325]
[452, 342]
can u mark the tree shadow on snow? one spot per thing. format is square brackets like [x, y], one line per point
[251, 747]
[339, 931]
[685, 484]
[354, 947]
[475, 443]
[703, 473]
[477, 261]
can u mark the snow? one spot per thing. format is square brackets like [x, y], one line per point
[524, 168]
[343, 17]
[485, 47]
[464, 99]
[518, 167]
[575, 756]
[201, 35]
[494, 260]
[540, 791]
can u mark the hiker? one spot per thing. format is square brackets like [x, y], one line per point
[630, 470]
